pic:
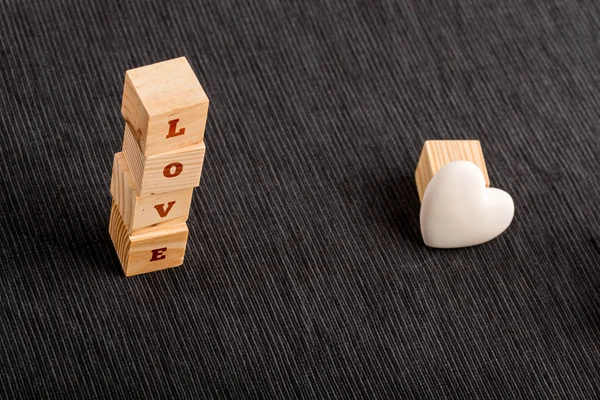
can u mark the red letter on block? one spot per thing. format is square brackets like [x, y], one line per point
[157, 254]
[178, 168]
[173, 127]
[161, 208]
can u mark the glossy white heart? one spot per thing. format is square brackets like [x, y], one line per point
[459, 211]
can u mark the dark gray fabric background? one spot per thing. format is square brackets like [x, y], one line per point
[305, 274]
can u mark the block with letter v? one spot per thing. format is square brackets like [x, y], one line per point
[146, 213]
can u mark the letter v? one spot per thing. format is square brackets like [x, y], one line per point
[161, 209]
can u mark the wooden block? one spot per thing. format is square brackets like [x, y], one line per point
[147, 252]
[437, 153]
[166, 106]
[147, 213]
[166, 172]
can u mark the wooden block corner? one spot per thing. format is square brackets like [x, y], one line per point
[437, 153]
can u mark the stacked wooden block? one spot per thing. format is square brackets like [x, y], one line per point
[165, 110]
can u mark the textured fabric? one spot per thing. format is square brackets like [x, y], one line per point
[305, 273]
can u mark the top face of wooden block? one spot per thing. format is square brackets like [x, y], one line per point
[167, 86]
[442, 152]
[165, 105]
[437, 153]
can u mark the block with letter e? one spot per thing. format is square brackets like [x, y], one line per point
[165, 105]
[150, 251]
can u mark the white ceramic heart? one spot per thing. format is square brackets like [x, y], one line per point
[459, 211]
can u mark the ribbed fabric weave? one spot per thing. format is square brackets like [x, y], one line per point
[305, 273]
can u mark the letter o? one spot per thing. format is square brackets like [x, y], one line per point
[178, 169]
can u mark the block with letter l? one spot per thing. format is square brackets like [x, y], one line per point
[165, 105]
